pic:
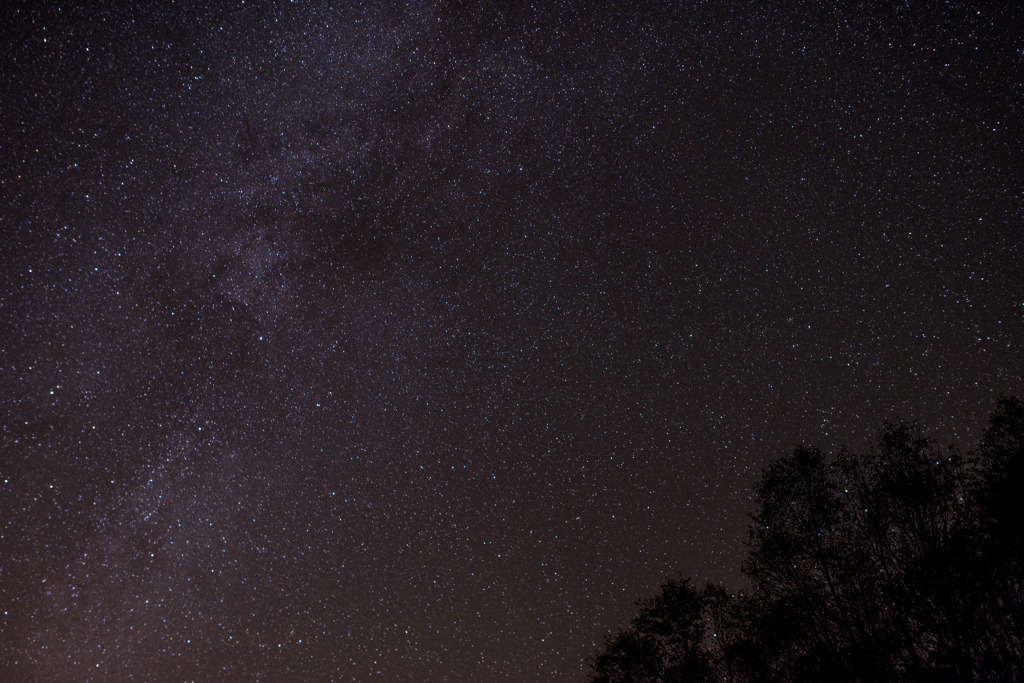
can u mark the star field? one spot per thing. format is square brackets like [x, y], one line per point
[415, 342]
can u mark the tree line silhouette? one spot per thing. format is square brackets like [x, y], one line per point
[903, 563]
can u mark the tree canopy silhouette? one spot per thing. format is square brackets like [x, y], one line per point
[903, 563]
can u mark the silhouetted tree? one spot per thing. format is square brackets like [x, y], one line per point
[1000, 619]
[665, 643]
[819, 603]
[903, 563]
[726, 617]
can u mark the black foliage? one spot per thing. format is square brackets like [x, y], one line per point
[903, 563]
[665, 642]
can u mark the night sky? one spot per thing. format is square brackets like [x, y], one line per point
[415, 342]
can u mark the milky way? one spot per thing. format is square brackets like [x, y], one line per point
[416, 342]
